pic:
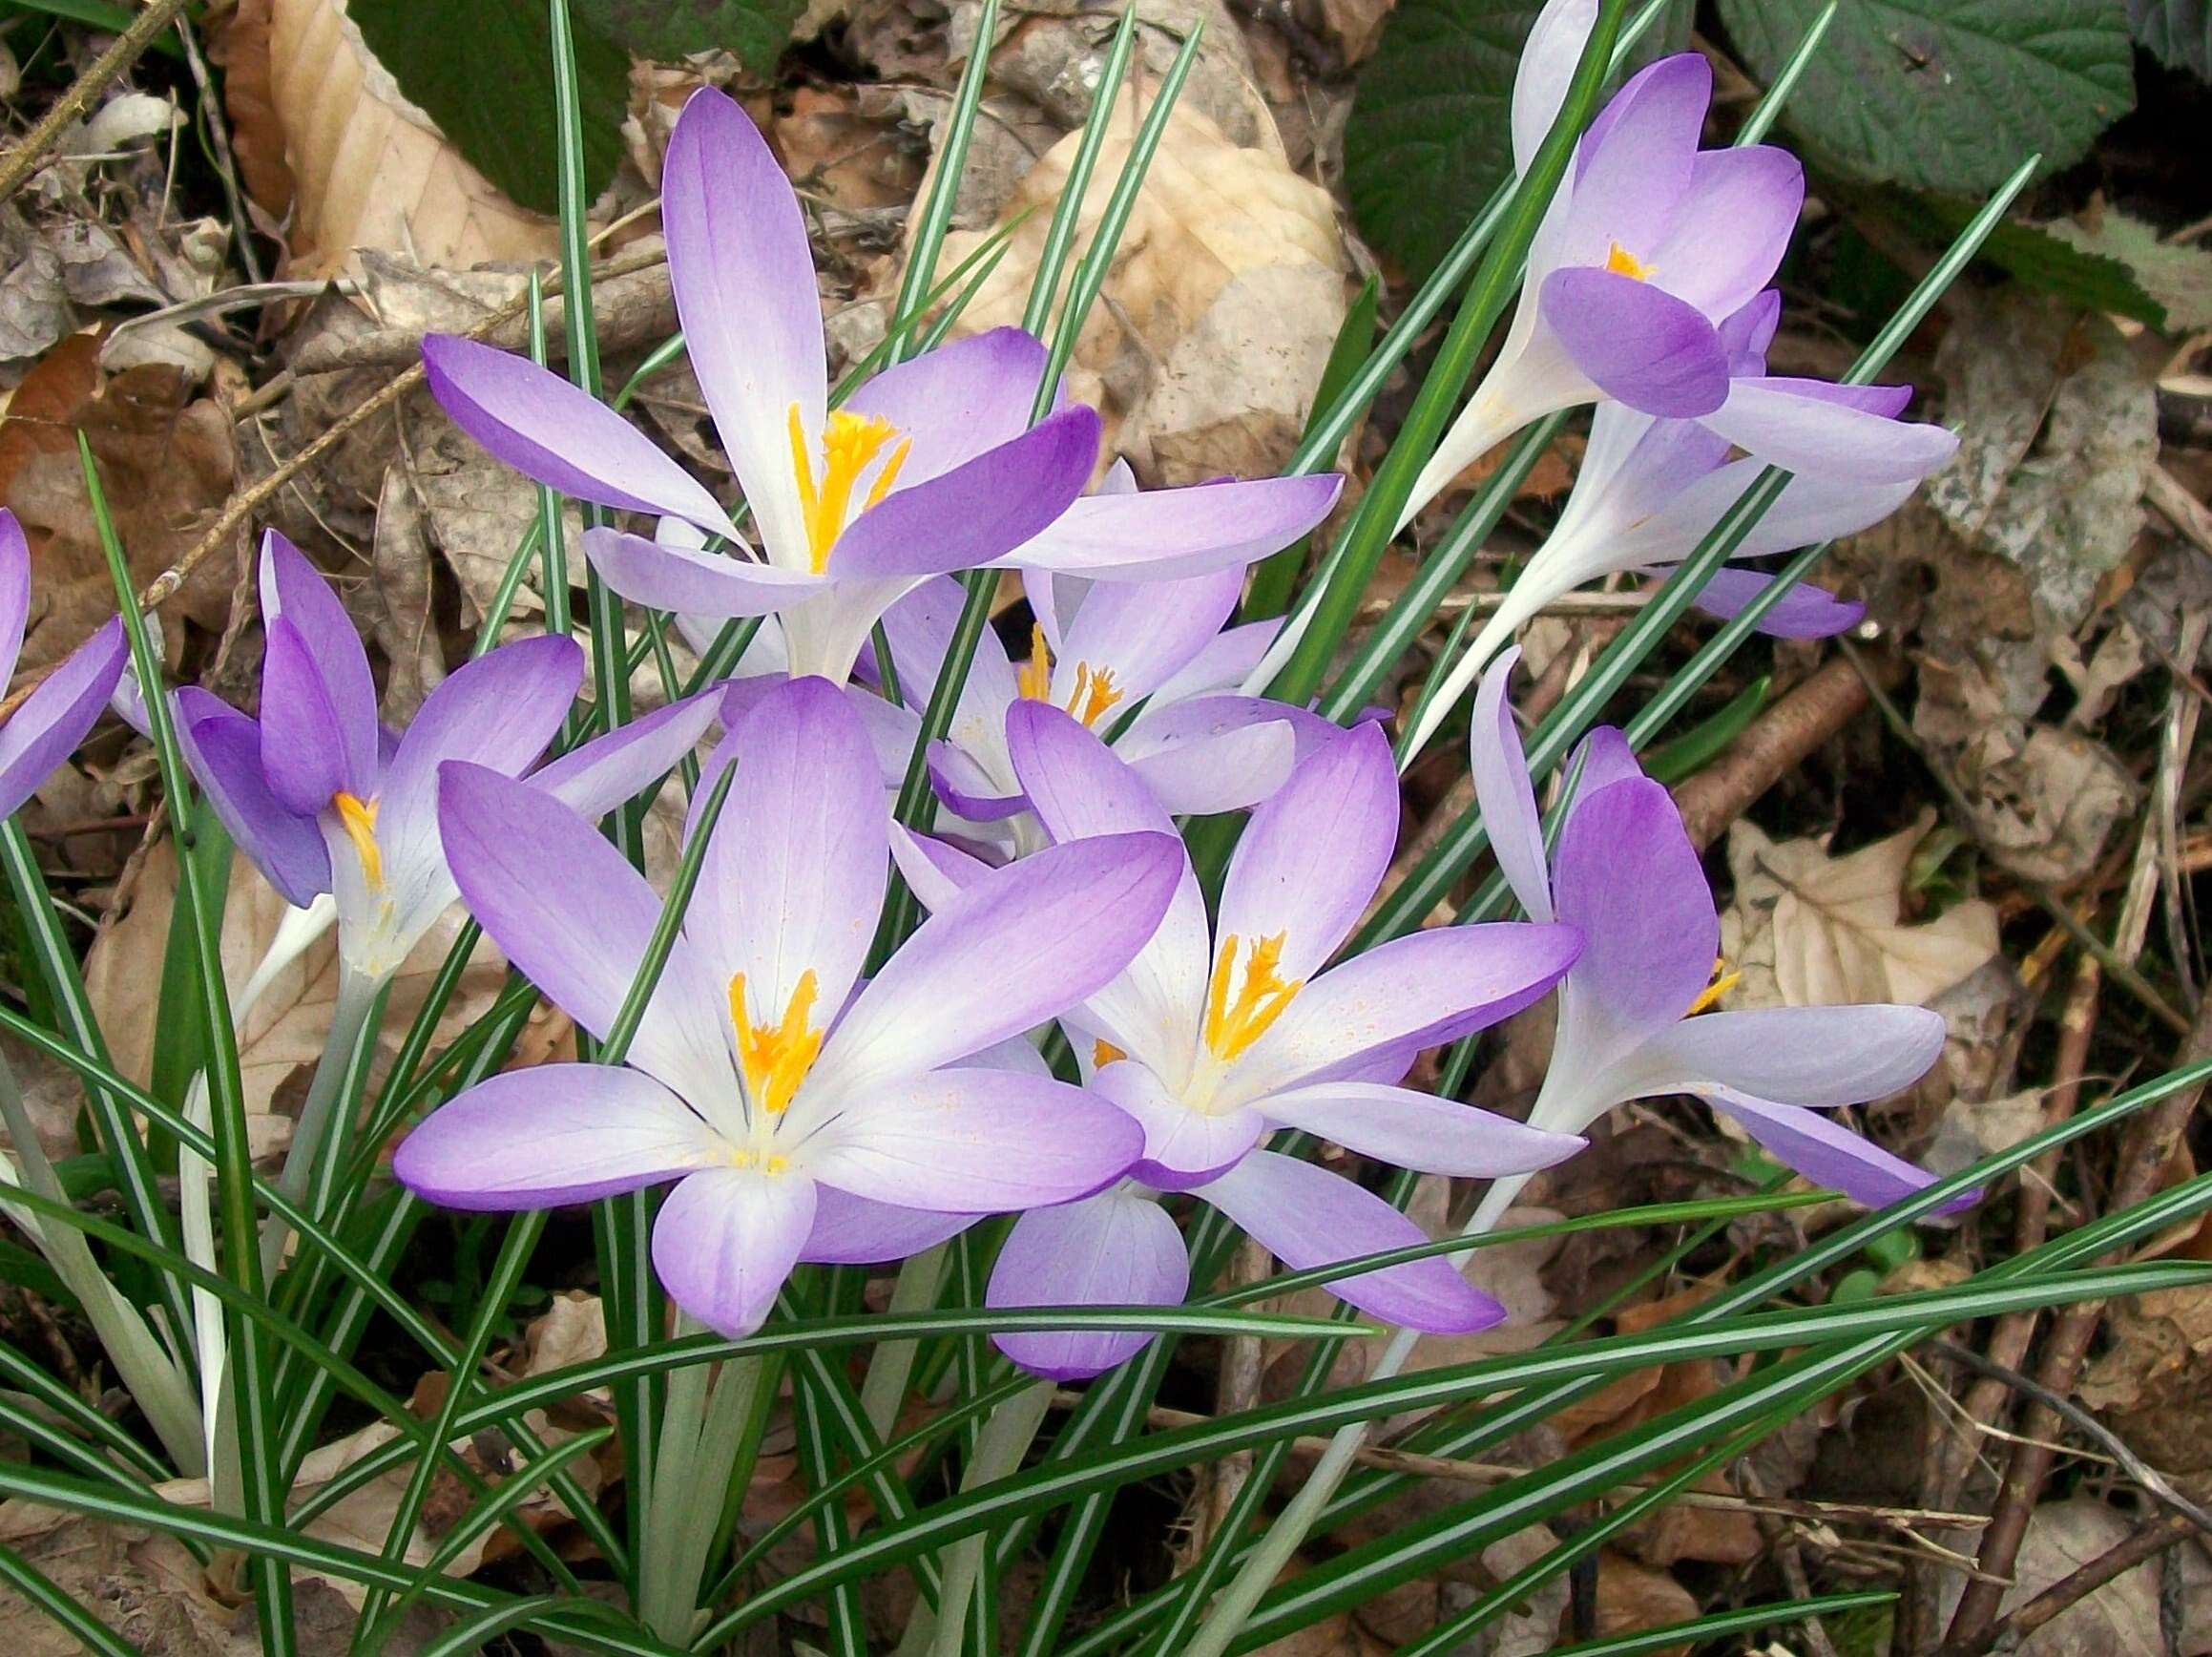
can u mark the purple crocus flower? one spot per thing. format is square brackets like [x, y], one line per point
[930, 468]
[323, 799]
[54, 717]
[1647, 246]
[1215, 1037]
[1651, 489]
[1625, 873]
[792, 1108]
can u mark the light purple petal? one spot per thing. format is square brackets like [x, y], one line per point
[977, 512]
[936, 871]
[551, 1135]
[969, 1142]
[1636, 342]
[1817, 1056]
[1548, 59]
[1502, 789]
[1214, 753]
[1637, 160]
[1314, 853]
[1829, 1153]
[919, 630]
[1117, 1248]
[303, 746]
[957, 402]
[1601, 760]
[15, 592]
[294, 589]
[1142, 632]
[854, 1231]
[1222, 665]
[968, 790]
[1182, 1148]
[695, 583]
[520, 858]
[1803, 426]
[223, 748]
[1306, 1216]
[499, 711]
[1730, 229]
[1418, 1130]
[535, 421]
[620, 764]
[1172, 533]
[45, 728]
[1021, 945]
[794, 877]
[1411, 992]
[1626, 875]
[1803, 612]
[725, 1241]
[1749, 329]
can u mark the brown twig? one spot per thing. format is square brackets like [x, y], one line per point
[26, 158]
[1777, 743]
[2162, 1533]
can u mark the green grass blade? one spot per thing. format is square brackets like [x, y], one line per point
[929, 237]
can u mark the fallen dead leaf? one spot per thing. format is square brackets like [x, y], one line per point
[1632, 1598]
[1805, 929]
[2121, 1619]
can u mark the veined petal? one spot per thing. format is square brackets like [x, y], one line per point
[1314, 853]
[1229, 769]
[53, 719]
[1731, 227]
[744, 278]
[1637, 161]
[1829, 1153]
[1182, 1148]
[1818, 1056]
[1601, 760]
[1306, 1216]
[1553, 48]
[969, 1142]
[1021, 945]
[1418, 1130]
[520, 858]
[935, 869]
[1626, 875]
[1502, 789]
[725, 1241]
[1827, 431]
[551, 1135]
[15, 592]
[1164, 533]
[968, 790]
[919, 629]
[1117, 1248]
[618, 766]
[695, 583]
[498, 711]
[1803, 612]
[295, 591]
[1636, 342]
[979, 511]
[303, 744]
[854, 1231]
[1141, 631]
[535, 421]
[1221, 663]
[223, 748]
[957, 402]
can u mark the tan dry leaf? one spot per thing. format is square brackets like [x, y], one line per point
[1225, 295]
[1808, 930]
[1631, 1599]
[370, 168]
[286, 1029]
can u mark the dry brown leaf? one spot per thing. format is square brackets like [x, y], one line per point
[286, 1029]
[370, 169]
[1631, 1599]
[1808, 930]
[1227, 293]
[838, 153]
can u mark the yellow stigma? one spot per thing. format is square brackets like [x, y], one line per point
[767, 1161]
[1622, 262]
[850, 445]
[359, 818]
[1231, 1027]
[1723, 980]
[774, 1058]
[1103, 1053]
[1095, 690]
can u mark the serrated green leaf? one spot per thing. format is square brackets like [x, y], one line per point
[483, 71]
[2176, 32]
[2175, 276]
[1947, 95]
[666, 29]
[1428, 142]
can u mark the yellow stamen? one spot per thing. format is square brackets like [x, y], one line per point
[1103, 1053]
[1093, 694]
[1622, 262]
[358, 817]
[1723, 980]
[1232, 1027]
[1034, 681]
[774, 1059]
[850, 445]
[746, 1158]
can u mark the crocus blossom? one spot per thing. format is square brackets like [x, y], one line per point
[1650, 489]
[931, 466]
[55, 717]
[1633, 1021]
[325, 798]
[1215, 1037]
[788, 1104]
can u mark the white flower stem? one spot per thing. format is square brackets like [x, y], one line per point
[1284, 1539]
[703, 1434]
[999, 1448]
[891, 1365]
[319, 1111]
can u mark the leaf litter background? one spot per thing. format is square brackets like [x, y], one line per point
[205, 280]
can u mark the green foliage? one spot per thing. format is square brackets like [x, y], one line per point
[1947, 95]
[755, 30]
[2176, 32]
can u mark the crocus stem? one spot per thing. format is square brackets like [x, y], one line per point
[891, 1365]
[1284, 1539]
[1004, 1441]
[704, 1433]
[318, 1113]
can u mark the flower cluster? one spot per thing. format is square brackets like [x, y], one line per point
[810, 1096]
